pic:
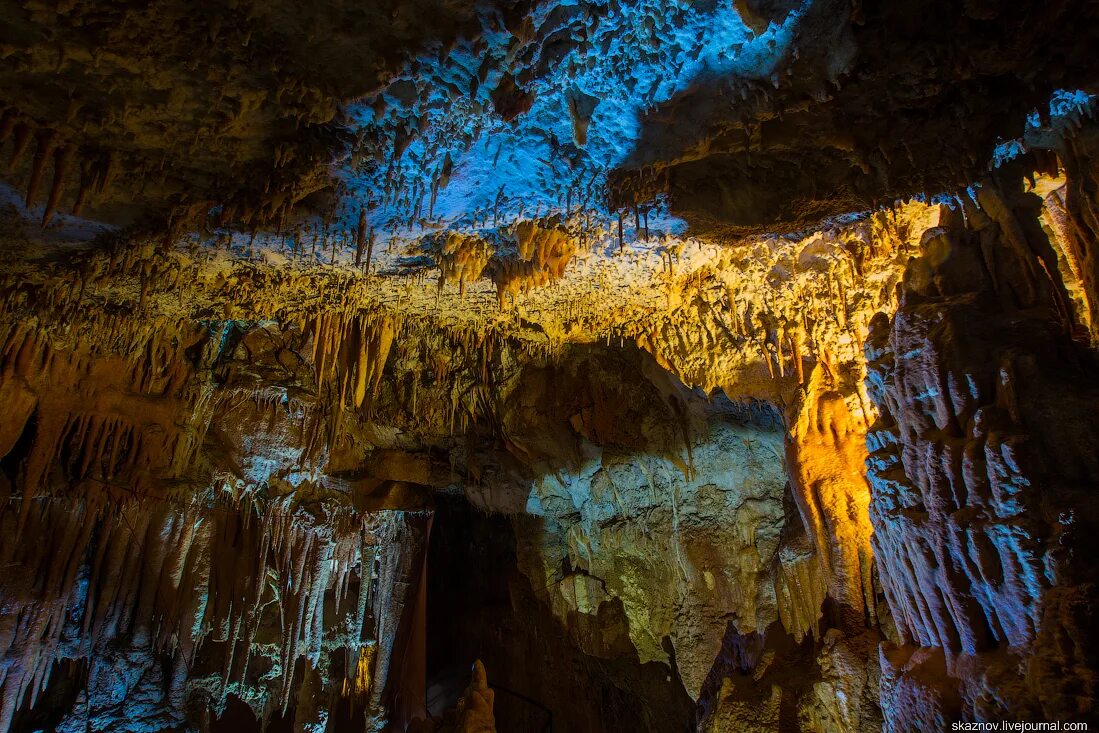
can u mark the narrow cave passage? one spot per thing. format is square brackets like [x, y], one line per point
[482, 607]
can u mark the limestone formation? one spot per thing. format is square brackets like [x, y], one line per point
[976, 499]
[639, 365]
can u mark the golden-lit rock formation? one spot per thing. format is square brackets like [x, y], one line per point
[825, 457]
[281, 392]
[462, 259]
[544, 253]
[656, 518]
[670, 519]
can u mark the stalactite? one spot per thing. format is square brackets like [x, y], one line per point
[184, 581]
[62, 160]
[23, 132]
[543, 256]
[360, 237]
[461, 259]
[351, 349]
[46, 142]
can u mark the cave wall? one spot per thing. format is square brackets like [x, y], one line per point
[981, 464]
[658, 508]
[683, 508]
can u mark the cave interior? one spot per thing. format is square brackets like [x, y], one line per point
[548, 366]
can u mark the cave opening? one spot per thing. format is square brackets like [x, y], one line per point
[481, 607]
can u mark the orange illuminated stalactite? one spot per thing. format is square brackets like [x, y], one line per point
[359, 685]
[826, 454]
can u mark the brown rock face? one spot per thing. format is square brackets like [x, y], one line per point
[981, 464]
[869, 102]
[139, 107]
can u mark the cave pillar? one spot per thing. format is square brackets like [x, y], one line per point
[399, 690]
[825, 455]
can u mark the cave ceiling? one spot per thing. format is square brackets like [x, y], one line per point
[155, 105]
[730, 119]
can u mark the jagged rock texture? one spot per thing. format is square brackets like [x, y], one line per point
[981, 463]
[173, 606]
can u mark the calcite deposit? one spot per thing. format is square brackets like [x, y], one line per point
[978, 511]
[535, 365]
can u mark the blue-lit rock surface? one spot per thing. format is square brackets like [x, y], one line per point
[445, 146]
[979, 516]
